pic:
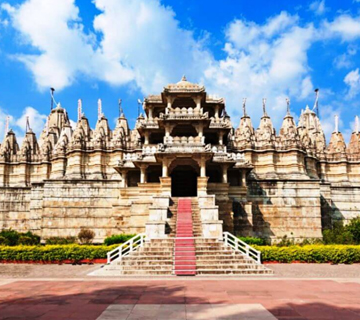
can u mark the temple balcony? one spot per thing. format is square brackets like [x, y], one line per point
[184, 114]
[149, 124]
[220, 123]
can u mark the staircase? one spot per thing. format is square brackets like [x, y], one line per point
[184, 253]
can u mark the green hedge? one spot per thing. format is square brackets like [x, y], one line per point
[311, 253]
[253, 241]
[52, 253]
[118, 239]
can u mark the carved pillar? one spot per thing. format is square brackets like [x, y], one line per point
[143, 175]
[150, 113]
[224, 173]
[221, 136]
[202, 167]
[124, 182]
[165, 168]
[243, 178]
[146, 137]
[170, 101]
[217, 112]
[200, 130]
[197, 100]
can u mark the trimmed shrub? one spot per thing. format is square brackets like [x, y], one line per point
[54, 253]
[339, 234]
[86, 236]
[311, 253]
[253, 241]
[118, 239]
[60, 240]
[14, 238]
[4, 241]
[354, 228]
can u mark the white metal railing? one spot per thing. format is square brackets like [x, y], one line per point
[238, 245]
[126, 248]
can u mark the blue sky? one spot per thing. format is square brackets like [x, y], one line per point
[113, 49]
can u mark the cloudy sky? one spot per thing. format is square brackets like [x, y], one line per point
[126, 49]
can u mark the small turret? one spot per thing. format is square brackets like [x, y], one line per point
[337, 144]
[265, 134]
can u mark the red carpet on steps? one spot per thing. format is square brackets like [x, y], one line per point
[185, 261]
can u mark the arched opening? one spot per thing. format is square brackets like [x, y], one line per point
[184, 181]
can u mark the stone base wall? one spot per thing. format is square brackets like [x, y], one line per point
[70, 205]
[340, 203]
[15, 209]
[290, 208]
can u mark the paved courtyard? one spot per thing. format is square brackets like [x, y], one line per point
[78, 296]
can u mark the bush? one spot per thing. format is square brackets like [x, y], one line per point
[4, 241]
[60, 240]
[339, 234]
[354, 228]
[54, 253]
[311, 253]
[118, 239]
[14, 238]
[86, 236]
[253, 241]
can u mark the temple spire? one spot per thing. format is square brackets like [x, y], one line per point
[99, 109]
[316, 104]
[121, 111]
[183, 78]
[287, 106]
[264, 107]
[79, 109]
[336, 123]
[356, 124]
[27, 129]
[244, 107]
[7, 125]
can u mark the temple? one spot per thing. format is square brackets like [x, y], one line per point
[247, 181]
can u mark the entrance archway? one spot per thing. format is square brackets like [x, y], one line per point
[184, 181]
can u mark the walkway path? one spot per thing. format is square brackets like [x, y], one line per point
[179, 298]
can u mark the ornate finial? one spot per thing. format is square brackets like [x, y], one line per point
[7, 125]
[287, 106]
[264, 106]
[244, 107]
[183, 78]
[79, 109]
[27, 129]
[121, 113]
[58, 105]
[357, 124]
[316, 104]
[336, 123]
[99, 109]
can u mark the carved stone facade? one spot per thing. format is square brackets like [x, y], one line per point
[248, 181]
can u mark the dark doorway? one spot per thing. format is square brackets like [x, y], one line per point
[184, 182]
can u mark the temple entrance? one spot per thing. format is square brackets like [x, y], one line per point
[184, 182]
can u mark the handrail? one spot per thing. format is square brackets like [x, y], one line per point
[241, 246]
[126, 248]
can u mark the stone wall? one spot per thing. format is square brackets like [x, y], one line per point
[285, 207]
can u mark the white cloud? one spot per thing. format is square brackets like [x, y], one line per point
[318, 7]
[18, 125]
[343, 26]
[55, 29]
[267, 66]
[352, 79]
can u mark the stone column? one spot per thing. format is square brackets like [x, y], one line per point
[200, 130]
[165, 168]
[143, 178]
[217, 112]
[202, 168]
[150, 113]
[221, 136]
[197, 100]
[124, 178]
[243, 178]
[169, 104]
[224, 173]
[146, 136]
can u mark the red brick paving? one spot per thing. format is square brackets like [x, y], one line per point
[285, 299]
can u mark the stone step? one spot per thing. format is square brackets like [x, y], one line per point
[233, 271]
[140, 263]
[155, 267]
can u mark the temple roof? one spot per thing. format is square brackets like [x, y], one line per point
[184, 86]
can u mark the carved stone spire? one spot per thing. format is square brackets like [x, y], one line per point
[79, 110]
[288, 135]
[244, 135]
[265, 134]
[337, 144]
[354, 144]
